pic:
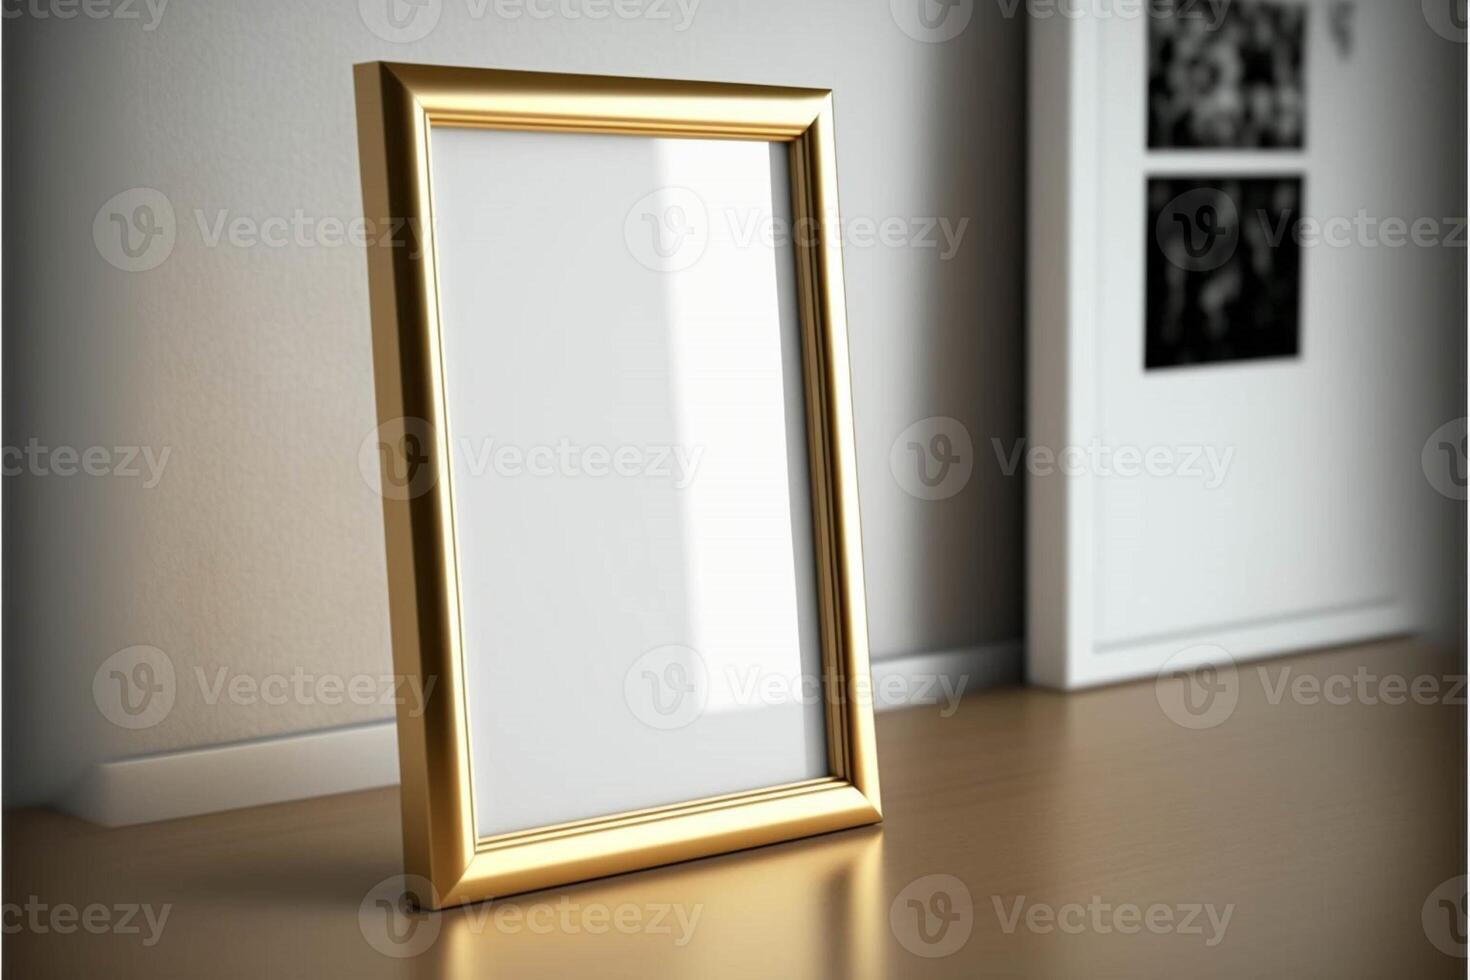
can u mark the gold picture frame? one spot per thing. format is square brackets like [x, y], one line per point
[397, 106]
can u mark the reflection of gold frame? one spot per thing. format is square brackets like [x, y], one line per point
[397, 105]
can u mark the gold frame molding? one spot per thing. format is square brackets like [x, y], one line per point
[397, 104]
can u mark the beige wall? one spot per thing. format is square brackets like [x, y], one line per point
[259, 550]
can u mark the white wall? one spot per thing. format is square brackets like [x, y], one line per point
[260, 550]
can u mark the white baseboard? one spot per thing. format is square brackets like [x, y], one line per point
[342, 760]
[239, 774]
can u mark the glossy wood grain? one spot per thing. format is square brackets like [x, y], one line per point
[1324, 827]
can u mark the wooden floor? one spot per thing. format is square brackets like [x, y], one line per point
[1028, 834]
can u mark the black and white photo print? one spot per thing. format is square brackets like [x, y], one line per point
[1226, 74]
[1223, 270]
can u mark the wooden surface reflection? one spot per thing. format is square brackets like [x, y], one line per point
[1323, 827]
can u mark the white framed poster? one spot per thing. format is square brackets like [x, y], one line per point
[1206, 478]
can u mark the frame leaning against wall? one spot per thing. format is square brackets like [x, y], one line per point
[398, 105]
